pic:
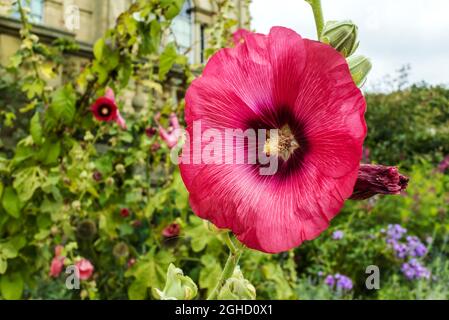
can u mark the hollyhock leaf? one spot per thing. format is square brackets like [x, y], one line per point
[98, 49]
[27, 181]
[62, 107]
[3, 265]
[11, 286]
[172, 8]
[167, 60]
[36, 129]
[11, 202]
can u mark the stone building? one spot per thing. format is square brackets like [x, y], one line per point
[87, 20]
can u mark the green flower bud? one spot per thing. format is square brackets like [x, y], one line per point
[237, 288]
[341, 35]
[360, 66]
[177, 287]
[120, 250]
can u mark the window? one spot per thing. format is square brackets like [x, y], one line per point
[203, 43]
[182, 29]
[36, 14]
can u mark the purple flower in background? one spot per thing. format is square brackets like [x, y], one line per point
[414, 270]
[338, 235]
[395, 231]
[330, 281]
[341, 282]
[401, 250]
[415, 247]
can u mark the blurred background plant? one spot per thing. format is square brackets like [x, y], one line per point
[78, 191]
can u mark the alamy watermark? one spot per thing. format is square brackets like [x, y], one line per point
[230, 146]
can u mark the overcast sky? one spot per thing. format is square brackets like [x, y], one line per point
[392, 32]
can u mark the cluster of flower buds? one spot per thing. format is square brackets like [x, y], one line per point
[177, 287]
[343, 36]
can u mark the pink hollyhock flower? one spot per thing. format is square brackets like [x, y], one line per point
[173, 133]
[84, 269]
[171, 231]
[105, 109]
[57, 263]
[378, 179]
[305, 89]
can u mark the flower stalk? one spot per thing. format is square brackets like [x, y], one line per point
[235, 252]
[318, 15]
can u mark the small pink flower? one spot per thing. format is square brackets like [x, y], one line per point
[105, 109]
[173, 133]
[57, 263]
[171, 231]
[84, 269]
[58, 250]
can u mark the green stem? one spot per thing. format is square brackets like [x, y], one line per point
[318, 15]
[231, 264]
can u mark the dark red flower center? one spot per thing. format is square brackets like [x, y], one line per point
[291, 143]
[105, 110]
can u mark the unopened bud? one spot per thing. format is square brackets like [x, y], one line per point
[237, 288]
[177, 287]
[360, 67]
[378, 179]
[341, 35]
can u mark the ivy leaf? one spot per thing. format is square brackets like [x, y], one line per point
[11, 286]
[11, 202]
[167, 60]
[62, 107]
[36, 129]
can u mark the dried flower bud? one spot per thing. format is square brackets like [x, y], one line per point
[378, 179]
[177, 287]
[86, 229]
[97, 176]
[150, 132]
[120, 250]
[360, 67]
[237, 288]
[341, 35]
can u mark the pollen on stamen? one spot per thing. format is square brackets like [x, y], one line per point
[283, 144]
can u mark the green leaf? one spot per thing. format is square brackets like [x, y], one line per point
[173, 7]
[49, 152]
[8, 251]
[11, 286]
[167, 60]
[36, 129]
[62, 107]
[98, 49]
[26, 181]
[3, 265]
[11, 202]
[210, 272]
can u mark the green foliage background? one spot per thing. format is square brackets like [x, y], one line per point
[50, 148]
